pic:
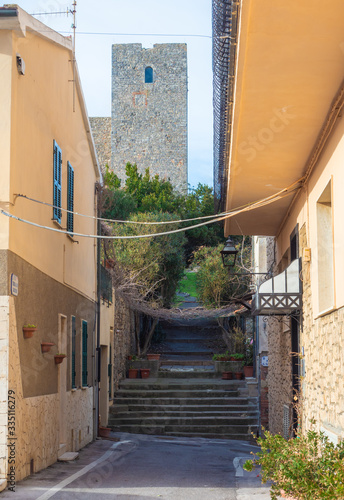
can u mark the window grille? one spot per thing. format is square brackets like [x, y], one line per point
[149, 75]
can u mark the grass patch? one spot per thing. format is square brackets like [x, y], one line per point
[188, 284]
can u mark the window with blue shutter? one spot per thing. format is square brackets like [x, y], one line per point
[70, 199]
[73, 352]
[57, 183]
[110, 372]
[149, 75]
[84, 354]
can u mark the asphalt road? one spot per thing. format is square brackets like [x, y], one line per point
[141, 467]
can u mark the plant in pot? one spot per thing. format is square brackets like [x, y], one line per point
[28, 330]
[132, 357]
[248, 360]
[221, 357]
[59, 357]
[145, 372]
[46, 346]
[153, 356]
[132, 372]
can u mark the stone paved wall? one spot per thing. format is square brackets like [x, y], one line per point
[124, 339]
[149, 120]
[101, 131]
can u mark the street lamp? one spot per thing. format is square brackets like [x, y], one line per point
[229, 253]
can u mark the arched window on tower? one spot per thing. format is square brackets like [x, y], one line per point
[149, 75]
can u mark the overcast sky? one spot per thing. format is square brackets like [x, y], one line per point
[137, 18]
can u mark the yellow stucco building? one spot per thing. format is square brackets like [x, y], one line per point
[48, 274]
[284, 129]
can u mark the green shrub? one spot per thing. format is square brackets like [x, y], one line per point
[309, 467]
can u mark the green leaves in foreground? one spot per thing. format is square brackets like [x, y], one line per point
[309, 467]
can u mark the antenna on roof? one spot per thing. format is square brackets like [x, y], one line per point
[73, 62]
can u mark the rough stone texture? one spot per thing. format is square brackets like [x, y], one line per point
[101, 131]
[149, 120]
[124, 339]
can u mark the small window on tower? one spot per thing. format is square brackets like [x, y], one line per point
[149, 75]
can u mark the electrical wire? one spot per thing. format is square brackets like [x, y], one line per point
[118, 220]
[262, 203]
[214, 216]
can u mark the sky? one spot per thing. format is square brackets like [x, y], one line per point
[131, 21]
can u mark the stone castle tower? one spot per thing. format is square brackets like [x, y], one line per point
[149, 110]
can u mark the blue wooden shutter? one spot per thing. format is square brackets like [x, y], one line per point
[57, 183]
[84, 353]
[110, 372]
[73, 352]
[70, 199]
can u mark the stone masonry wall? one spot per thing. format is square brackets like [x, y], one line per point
[124, 339]
[323, 365]
[149, 120]
[101, 131]
[279, 377]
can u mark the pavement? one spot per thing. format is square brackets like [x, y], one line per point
[141, 467]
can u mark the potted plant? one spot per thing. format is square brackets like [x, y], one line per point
[104, 432]
[145, 372]
[221, 357]
[248, 360]
[227, 375]
[46, 346]
[133, 372]
[59, 357]
[153, 356]
[237, 357]
[28, 330]
[238, 375]
[132, 357]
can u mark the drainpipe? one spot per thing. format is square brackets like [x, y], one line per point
[97, 350]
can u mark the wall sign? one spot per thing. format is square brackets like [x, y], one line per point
[14, 284]
[265, 361]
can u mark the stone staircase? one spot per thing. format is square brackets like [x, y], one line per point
[185, 407]
[185, 396]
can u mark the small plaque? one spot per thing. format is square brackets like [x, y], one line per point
[14, 284]
[265, 361]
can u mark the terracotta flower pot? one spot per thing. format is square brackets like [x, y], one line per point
[133, 372]
[238, 375]
[248, 371]
[46, 346]
[227, 375]
[104, 432]
[28, 331]
[59, 358]
[145, 372]
[151, 357]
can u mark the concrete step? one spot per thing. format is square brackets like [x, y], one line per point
[185, 362]
[191, 374]
[176, 384]
[152, 409]
[126, 415]
[177, 393]
[178, 401]
[194, 421]
[216, 431]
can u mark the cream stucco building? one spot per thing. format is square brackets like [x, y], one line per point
[48, 275]
[285, 129]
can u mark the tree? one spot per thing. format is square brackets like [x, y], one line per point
[216, 286]
[156, 264]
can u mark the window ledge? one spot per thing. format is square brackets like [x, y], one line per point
[74, 389]
[327, 311]
[84, 387]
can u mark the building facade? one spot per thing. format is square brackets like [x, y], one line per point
[48, 275]
[149, 112]
[285, 148]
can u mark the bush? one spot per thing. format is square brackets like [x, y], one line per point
[309, 467]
